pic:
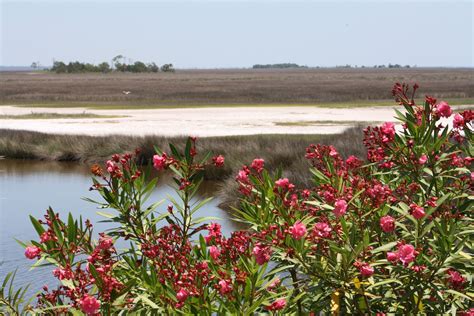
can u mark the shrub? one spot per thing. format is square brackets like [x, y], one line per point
[393, 235]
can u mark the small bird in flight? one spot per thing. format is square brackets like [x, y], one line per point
[126, 92]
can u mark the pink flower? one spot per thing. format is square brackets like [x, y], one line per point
[214, 230]
[257, 165]
[242, 176]
[277, 305]
[214, 252]
[418, 212]
[63, 274]
[366, 270]
[182, 295]
[298, 230]
[333, 152]
[46, 236]
[284, 183]
[443, 109]
[111, 166]
[455, 279]
[105, 242]
[32, 252]
[218, 161]
[387, 223]
[224, 287]
[274, 284]
[261, 253]
[159, 162]
[458, 121]
[406, 254]
[340, 208]
[353, 162]
[388, 129]
[89, 305]
[392, 256]
[322, 230]
[423, 159]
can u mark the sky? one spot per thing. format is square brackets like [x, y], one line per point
[238, 33]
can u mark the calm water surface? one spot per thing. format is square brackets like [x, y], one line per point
[30, 187]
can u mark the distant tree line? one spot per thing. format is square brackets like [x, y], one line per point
[375, 66]
[118, 65]
[292, 65]
[279, 66]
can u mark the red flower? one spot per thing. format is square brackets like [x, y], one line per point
[214, 231]
[257, 165]
[322, 230]
[443, 109]
[406, 254]
[63, 274]
[340, 208]
[89, 305]
[418, 212]
[214, 252]
[298, 230]
[242, 176]
[455, 279]
[224, 287]
[261, 253]
[105, 242]
[159, 162]
[333, 152]
[32, 252]
[277, 305]
[392, 256]
[388, 130]
[423, 159]
[458, 121]
[218, 161]
[366, 270]
[182, 295]
[387, 223]
[285, 184]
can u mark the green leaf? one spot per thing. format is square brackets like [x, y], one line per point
[38, 227]
[147, 301]
[385, 247]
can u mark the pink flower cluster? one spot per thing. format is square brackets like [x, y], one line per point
[406, 253]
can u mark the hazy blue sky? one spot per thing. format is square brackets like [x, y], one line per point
[239, 33]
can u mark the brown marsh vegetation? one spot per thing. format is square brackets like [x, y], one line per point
[226, 87]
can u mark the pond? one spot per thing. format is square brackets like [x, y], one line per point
[30, 187]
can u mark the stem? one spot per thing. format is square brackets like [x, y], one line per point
[294, 277]
[365, 299]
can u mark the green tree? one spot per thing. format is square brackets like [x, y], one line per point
[167, 68]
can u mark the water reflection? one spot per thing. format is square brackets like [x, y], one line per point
[30, 187]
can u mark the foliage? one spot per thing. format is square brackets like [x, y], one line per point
[167, 68]
[119, 65]
[393, 235]
[278, 66]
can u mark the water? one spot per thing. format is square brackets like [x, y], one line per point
[30, 187]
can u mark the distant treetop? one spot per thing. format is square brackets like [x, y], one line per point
[118, 65]
[284, 65]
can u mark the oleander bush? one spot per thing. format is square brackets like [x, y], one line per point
[390, 235]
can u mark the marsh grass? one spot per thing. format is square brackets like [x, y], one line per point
[134, 105]
[233, 87]
[279, 151]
